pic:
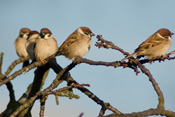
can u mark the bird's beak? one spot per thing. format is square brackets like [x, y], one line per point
[92, 34]
[172, 33]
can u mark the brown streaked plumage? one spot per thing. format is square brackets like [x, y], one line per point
[156, 45]
[77, 44]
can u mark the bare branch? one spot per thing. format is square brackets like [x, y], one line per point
[107, 44]
[1, 61]
[39, 79]
[25, 69]
[84, 90]
[54, 84]
[42, 105]
[16, 62]
[145, 113]
[56, 67]
[155, 85]
[19, 72]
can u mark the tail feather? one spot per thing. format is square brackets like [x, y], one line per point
[25, 63]
[129, 56]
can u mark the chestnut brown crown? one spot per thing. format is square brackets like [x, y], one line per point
[87, 31]
[164, 32]
[25, 30]
[45, 30]
[33, 32]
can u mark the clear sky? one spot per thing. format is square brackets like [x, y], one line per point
[127, 23]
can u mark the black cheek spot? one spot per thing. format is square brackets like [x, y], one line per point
[89, 47]
[42, 36]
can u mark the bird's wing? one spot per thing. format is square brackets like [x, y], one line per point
[70, 40]
[152, 41]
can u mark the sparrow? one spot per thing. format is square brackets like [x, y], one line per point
[20, 45]
[155, 46]
[45, 46]
[77, 44]
[30, 44]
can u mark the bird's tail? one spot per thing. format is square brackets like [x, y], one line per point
[129, 56]
[25, 63]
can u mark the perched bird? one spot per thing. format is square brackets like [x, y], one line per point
[20, 44]
[46, 45]
[30, 44]
[155, 46]
[77, 44]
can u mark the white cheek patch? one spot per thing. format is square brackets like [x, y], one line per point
[89, 36]
[25, 36]
[48, 36]
[159, 35]
[169, 38]
[80, 31]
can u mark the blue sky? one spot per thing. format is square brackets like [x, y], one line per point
[127, 23]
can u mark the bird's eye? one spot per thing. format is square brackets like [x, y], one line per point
[86, 33]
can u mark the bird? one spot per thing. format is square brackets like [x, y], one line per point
[20, 45]
[155, 46]
[77, 44]
[30, 44]
[46, 45]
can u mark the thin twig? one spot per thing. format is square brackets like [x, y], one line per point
[16, 62]
[42, 105]
[1, 61]
[108, 44]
